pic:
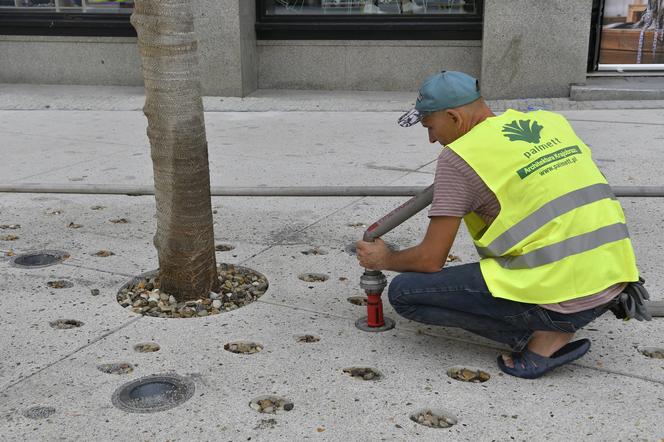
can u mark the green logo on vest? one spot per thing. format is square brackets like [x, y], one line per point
[523, 131]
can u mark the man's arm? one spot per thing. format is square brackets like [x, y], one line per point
[427, 257]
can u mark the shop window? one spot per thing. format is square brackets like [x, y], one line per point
[369, 19]
[632, 35]
[66, 17]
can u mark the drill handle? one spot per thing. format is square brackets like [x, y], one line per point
[399, 215]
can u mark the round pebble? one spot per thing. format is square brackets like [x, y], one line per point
[64, 324]
[652, 352]
[468, 375]
[247, 348]
[59, 284]
[433, 419]
[307, 338]
[363, 373]
[271, 405]
[148, 347]
[313, 277]
[116, 368]
[358, 300]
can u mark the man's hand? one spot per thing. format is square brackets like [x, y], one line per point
[373, 255]
[427, 257]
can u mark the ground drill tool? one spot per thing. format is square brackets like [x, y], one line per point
[373, 282]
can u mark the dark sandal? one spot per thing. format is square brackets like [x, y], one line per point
[529, 365]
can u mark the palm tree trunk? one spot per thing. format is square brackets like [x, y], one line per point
[176, 129]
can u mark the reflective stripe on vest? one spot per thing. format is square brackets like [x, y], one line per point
[570, 246]
[549, 211]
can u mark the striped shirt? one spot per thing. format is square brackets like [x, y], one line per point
[458, 190]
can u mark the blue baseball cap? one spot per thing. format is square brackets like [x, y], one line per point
[445, 90]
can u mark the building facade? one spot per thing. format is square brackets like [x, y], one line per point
[517, 48]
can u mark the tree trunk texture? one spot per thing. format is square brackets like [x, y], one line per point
[176, 129]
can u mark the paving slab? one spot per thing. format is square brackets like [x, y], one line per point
[29, 305]
[306, 149]
[115, 128]
[30, 156]
[328, 404]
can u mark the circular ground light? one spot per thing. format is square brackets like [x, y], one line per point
[38, 412]
[464, 374]
[153, 393]
[313, 277]
[42, 258]
[363, 373]
[271, 405]
[147, 347]
[116, 368]
[652, 352]
[60, 284]
[65, 324]
[245, 348]
[433, 418]
[358, 300]
[307, 338]
[352, 250]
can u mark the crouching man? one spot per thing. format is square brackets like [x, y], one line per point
[554, 247]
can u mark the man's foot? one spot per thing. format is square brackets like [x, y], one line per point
[543, 343]
[530, 365]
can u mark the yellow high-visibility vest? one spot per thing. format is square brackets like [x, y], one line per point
[560, 233]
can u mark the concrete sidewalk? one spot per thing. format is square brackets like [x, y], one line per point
[613, 393]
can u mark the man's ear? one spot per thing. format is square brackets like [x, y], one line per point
[455, 115]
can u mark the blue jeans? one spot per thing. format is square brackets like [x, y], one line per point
[458, 297]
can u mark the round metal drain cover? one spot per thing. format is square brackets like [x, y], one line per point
[153, 393]
[43, 258]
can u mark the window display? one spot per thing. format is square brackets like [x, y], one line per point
[632, 33]
[369, 19]
[369, 7]
[90, 6]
